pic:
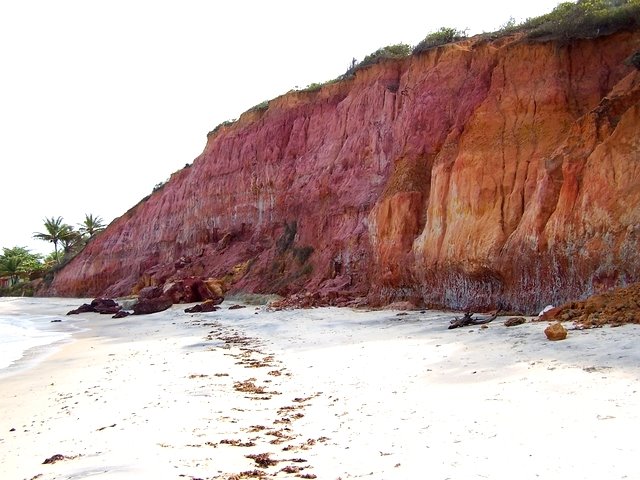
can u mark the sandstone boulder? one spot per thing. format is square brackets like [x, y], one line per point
[513, 321]
[556, 331]
[146, 306]
[150, 292]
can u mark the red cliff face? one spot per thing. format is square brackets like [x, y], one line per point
[474, 175]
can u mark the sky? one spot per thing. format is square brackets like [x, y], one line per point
[101, 100]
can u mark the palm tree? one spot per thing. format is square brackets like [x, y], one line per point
[10, 266]
[55, 230]
[91, 225]
[70, 240]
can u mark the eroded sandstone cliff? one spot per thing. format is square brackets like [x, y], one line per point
[475, 175]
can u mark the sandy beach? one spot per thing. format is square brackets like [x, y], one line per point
[323, 393]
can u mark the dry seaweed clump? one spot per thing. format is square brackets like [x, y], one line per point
[615, 308]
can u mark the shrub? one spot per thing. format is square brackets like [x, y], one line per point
[261, 107]
[584, 19]
[226, 123]
[399, 50]
[440, 37]
[22, 289]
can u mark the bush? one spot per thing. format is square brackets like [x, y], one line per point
[584, 19]
[22, 289]
[261, 107]
[440, 37]
[226, 123]
[399, 50]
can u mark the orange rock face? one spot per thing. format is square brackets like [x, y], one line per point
[476, 175]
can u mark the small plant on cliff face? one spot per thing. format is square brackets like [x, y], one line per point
[440, 37]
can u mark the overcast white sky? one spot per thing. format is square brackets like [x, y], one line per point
[101, 100]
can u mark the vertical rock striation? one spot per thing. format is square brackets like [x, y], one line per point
[475, 175]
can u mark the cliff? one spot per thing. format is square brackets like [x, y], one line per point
[475, 175]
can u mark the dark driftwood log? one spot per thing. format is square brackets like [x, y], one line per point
[468, 319]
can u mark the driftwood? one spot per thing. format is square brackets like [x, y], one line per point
[468, 319]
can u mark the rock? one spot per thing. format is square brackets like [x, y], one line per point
[84, 308]
[151, 305]
[97, 305]
[545, 310]
[189, 290]
[549, 314]
[208, 306]
[54, 459]
[182, 262]
[150, 292]
[236, 307]
[451, 192]
[556, 331]
[121, 314]
[513, 321]
[105, 306]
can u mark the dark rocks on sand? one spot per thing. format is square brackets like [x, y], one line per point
[84, 308]
[105, 306]
[121, 314]
[54, 459]
[146, 306]
[236, 307]
[513, 321]
[208, 306]
[98, 305]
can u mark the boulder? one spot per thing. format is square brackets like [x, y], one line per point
[150, 292]
[549, 314]
[98, 305]
[146, 306]
[121, 314]
[191, 289]
[513, 321]
[556, 331]
[236, 307]
[208, 306]
[105, 306]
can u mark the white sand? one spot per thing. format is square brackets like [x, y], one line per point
[380, 396]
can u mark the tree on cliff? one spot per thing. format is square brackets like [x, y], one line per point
[55, 230]
[71, 240]
[91, 225]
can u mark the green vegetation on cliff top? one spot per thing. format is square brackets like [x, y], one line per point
[568, 21]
